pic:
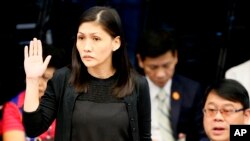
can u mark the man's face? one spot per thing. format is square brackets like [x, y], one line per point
[48, 74]
[220, 114]
[159, 69]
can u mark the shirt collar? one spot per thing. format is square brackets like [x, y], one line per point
[154, 89]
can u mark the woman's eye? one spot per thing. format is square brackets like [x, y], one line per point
[80, 38]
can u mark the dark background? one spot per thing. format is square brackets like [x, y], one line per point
[212, 34]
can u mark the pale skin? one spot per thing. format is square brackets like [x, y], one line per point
[217, 127]
[19, 135]
[14, 135]
[95, 47]
[35, 67]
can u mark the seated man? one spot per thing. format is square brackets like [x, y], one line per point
[225, 103]
[176, 110]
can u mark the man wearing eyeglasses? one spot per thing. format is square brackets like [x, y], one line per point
[226, 103]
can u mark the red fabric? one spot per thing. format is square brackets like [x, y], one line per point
[12, 118]
[1, 131]
[50, 132]
[1, 125]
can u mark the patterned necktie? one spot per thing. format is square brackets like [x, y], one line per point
[163, 116]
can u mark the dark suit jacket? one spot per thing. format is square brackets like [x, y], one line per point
[186, 109]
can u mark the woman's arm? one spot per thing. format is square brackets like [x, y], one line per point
[144, 110]
[34, 68]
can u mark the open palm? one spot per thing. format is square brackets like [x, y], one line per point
[34, 65]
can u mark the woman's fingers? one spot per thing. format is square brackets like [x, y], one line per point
[35, 45]
[39, 48]
[46, 61]
[26, 52]
[31, 48]
[34, 49]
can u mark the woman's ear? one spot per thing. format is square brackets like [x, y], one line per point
[116, 43]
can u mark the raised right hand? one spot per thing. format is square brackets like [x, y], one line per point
[34, 65]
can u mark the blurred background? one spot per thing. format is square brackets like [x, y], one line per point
[212, 35]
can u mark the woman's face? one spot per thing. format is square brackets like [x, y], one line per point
[95, 46]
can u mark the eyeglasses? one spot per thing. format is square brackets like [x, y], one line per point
[226, 111]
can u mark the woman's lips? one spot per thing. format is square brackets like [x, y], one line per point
[87, 57]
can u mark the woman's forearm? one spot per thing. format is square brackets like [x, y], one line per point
[31, 100]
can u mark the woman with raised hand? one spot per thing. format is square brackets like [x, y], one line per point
[99, 97]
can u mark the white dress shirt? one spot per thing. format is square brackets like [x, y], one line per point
[240, 73]
[154, 90]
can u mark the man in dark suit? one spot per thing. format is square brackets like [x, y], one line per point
[157, 58]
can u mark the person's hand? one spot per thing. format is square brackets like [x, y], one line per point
[181, 137]
[155, 138]
[34, 65]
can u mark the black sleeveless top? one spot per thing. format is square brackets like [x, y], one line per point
[99, 116]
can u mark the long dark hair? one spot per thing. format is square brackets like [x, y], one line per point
[111, 23]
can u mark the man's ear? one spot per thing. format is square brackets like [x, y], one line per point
[140, 62]
[247, 116]
[116, 43]
[175, 54]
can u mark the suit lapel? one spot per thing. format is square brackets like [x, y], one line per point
[176, 99]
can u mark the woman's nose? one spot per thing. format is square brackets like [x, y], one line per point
[87, 47]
